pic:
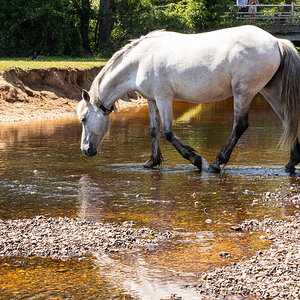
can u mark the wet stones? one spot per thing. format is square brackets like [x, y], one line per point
[236, 228]
[64, 237]
[269, 274]
[224, 254]
[281, 197]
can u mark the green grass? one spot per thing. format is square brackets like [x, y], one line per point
[44, 62]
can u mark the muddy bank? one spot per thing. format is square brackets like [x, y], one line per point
[43, 93]
[64, 237]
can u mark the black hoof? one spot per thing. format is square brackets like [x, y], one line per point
[148, 164]
[198, 162]
[214, 170]
[151, 163]
[290, 169]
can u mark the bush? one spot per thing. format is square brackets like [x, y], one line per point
[46, 26]
[135, 18]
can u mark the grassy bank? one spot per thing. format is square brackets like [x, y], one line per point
[44, 62]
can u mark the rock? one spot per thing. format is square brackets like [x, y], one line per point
[236, 228]
[224, 254]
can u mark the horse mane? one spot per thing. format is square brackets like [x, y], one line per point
[96, 83]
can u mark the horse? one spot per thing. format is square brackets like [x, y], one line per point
[163, 66]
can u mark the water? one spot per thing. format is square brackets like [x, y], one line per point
[42, 172]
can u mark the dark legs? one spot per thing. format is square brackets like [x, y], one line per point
[242, 102]
[186, 151]
[165, 108]
[239, 127]
[294, 159]
[155, 157]
[272, 94]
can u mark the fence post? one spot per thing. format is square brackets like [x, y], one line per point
[293, 14]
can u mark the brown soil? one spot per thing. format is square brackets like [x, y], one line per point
[42, 93]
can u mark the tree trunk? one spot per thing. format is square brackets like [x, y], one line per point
[84, 24]
[105, 22]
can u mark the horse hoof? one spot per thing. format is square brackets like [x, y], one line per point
[148, 165]
[198, 162]
[290, 169]
[214, 170]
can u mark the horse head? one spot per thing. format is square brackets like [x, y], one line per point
[95, 120]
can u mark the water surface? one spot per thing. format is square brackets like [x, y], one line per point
[42, 172]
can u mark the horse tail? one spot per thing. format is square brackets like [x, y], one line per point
[290, 97]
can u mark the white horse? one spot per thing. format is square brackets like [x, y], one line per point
[199, 68]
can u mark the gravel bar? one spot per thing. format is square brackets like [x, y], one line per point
[63, 238]
[269, 274]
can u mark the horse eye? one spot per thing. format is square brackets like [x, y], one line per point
[83, 120]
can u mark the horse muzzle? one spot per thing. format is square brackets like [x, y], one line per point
[89, 150]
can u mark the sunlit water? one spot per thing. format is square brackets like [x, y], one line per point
[42, 172]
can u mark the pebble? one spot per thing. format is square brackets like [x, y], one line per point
[272, 273]
[236, 228]
[224, 254]
[208, 221]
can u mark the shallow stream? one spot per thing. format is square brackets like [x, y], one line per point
[42, 172]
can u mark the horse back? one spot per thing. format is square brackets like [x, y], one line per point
[202, 67]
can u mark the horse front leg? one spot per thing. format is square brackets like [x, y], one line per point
[239, 127]
[294, 159]
[166, 114]
[186, 151]
[156, 156]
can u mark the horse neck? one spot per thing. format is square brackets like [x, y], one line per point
[117, 82]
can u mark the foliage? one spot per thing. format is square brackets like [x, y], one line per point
[65, 27]
[135, 18]
[45, 26]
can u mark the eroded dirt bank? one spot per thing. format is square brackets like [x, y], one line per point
[43, 93]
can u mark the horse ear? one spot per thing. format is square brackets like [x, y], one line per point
[86, 96]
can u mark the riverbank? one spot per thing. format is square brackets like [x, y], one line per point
[45, 93]
[273, 273]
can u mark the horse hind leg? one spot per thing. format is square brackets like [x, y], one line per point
[294, 159]
[239, 127]
[272, 93]
[156, 156]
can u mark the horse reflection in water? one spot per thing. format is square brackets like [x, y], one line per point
[199, 68]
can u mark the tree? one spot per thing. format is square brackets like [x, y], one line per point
[85, 24]
[46, 26]
[105, 22]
